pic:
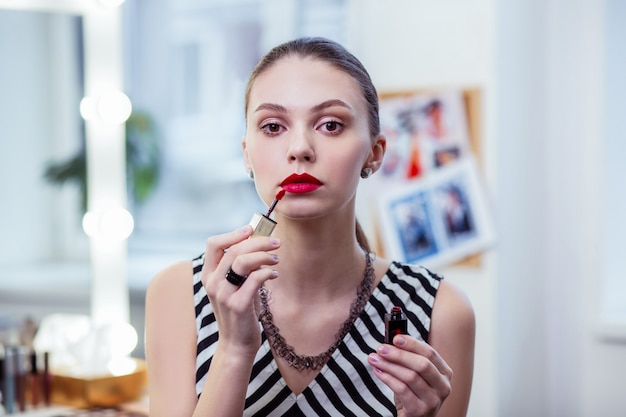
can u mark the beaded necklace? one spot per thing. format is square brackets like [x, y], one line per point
[286, 351]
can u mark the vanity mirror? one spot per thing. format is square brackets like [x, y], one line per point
[56, 55]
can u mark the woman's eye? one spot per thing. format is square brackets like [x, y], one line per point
[332, 126]
[271, 128]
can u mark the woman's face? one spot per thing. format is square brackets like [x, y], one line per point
[307, 117]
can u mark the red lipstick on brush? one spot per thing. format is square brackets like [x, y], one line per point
[261, 224]
[300, 183]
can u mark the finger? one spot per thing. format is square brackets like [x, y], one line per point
[248, 257]
[240, 299]
[243, 258]
[414, 360]
[409, 344]
[418, 399]
[217, 244]
[249, 263]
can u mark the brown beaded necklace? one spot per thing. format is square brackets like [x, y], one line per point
[286, 351]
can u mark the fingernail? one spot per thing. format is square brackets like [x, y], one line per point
[275, 257]
[245, 229]
[274, 274]
[274, 241]
[374, 358]
[400, 341]
[383, 350]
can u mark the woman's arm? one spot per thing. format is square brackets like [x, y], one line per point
[171, 339]
[171, 342]
[452, 334]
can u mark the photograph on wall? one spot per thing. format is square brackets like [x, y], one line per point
[439, 219]
[412, 224]
[424, 132]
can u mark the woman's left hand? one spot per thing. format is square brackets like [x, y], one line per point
[416, 373]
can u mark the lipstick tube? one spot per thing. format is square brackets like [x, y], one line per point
[395, 323]
[261, 224]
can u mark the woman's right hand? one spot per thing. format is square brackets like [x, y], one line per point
[234, 306]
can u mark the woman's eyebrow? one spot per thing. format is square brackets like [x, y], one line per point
[271, 107]
[318, 107]
[331, 103]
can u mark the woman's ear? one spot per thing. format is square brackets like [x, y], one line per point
[378, 152]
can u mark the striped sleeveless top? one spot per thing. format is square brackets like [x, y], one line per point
[346, 385]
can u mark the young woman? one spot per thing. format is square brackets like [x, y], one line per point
[303, 333]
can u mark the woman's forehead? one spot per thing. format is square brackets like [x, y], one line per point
[303, 80]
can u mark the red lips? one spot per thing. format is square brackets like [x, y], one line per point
[300, 183]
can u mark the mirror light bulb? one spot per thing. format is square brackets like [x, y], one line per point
[90, 223]
[114, 223]
[88, 108]
[114, 107]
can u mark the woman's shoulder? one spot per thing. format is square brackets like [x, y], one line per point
[173, 280]
[414, 274]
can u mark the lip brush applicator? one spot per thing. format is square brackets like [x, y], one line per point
[279, 197]
[261, 224]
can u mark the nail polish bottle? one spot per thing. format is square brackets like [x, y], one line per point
[395, 323]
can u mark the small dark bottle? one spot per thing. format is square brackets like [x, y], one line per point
[395, 323]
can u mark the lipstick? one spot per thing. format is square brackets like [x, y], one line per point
[261, 224]
[395, 323]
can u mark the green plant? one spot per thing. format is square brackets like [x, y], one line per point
[142, 162]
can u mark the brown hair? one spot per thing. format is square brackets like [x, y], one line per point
[337, 56]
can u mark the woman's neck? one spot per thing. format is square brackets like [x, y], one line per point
[318, 260]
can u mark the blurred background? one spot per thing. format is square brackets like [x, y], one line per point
[549, 295]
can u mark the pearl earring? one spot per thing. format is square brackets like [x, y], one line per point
[366, 172]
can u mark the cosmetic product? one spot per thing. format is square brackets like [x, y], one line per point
[46, 379]
[9, 380]
[20, 377]
[34, 381]
[395, 323]
[261, 224]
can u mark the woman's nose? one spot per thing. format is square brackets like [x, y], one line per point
[301, 147]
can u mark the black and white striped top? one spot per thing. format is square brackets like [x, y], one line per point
[346, 385]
